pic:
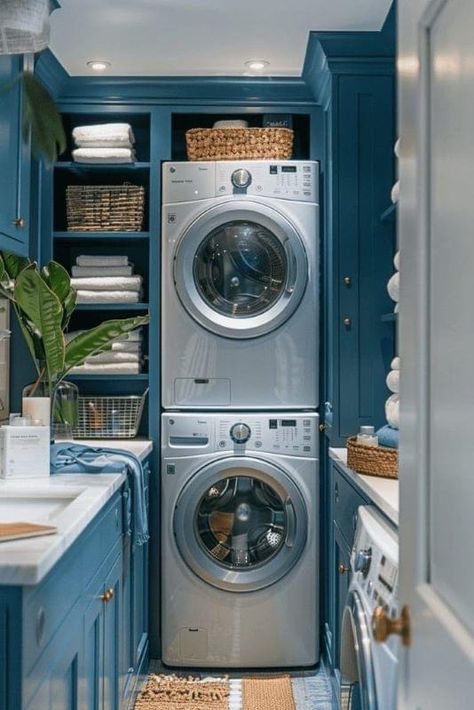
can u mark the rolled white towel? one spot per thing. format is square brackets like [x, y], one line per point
[107, 283]
[235, 123]
[392, 411]
[395, 193]
[101, 260]
[395, 364]
[396, 148]
[396, 260]
[104, 155]
[393, 287]
[86, 271]
[108, 368]
[108, 296]
[112, 356]
[393, 381]
[105, 135]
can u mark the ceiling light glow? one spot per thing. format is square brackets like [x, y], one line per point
[98, 65]
[257, 65]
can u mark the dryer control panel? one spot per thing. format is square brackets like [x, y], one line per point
[289, 434]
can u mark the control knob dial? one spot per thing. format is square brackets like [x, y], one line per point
[363, 560]
[241, 178]
[240, 433]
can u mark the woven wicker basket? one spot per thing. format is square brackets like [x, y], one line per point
[372, 460]
[105, 208]
[239, 143]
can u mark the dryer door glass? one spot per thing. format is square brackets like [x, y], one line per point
[240, 269]
[240, 524]
[357, 690]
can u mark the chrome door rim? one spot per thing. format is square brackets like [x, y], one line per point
[201, 563]
[361, 635]
[297, 277]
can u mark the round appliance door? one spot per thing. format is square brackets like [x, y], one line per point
[358, 691]
[240, 524]
[240, 269]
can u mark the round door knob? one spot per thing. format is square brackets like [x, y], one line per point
[241, 178]
[383, 626]
[19, 222]
[342, 569]
[240, 433]
[362, 561]
[108, 595]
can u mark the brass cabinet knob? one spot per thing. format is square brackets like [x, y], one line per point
[348, 280]
[342, 569]
[107, 596]
[347, 322]
[323, 427]
[19, 222]
[383, 626]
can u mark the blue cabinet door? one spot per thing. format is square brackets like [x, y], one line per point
[14, 160]
[92, 666]
[113, 615]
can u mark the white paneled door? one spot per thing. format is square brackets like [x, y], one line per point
[436, 224]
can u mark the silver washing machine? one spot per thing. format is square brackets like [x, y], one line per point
[240, 519]
[368, 668]
[240, 287]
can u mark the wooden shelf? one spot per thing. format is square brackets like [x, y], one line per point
[100, 235]
[389, 214]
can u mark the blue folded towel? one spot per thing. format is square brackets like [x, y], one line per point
[388, 437]
[69, 457]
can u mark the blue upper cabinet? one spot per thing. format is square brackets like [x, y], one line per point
[14, 161]
[352, 76]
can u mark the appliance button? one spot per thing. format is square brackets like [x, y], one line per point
[241, 178]
[306, 422]
[222, 444]
[170, 469]
[258, 444]
[306, 448]
[362, 561]
[240, 433]
[273, 424]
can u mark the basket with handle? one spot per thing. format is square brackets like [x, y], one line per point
[109, 417]
[239, 143]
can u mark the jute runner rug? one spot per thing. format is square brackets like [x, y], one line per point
[273, 693]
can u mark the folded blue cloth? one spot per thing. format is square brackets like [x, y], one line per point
[388, 436]
[69, 457]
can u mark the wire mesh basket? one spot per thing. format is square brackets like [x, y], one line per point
[110, 417]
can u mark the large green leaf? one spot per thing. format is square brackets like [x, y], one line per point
[14, 264]
[43, 312]
[100, 338]
[59, 281]
[41, 116]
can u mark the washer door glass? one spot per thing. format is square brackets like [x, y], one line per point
[358, 691]
[240, 269]
[241, 524]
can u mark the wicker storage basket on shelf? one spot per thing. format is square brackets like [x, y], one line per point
[105, 208]
[239, 143]
[372, 460]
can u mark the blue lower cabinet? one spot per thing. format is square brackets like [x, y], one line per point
[79, 638]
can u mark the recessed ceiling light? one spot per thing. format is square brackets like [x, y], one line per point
[257, 65]
[98, 65]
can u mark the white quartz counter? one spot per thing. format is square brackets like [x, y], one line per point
[140, 447]
[384, 492]
[74, 501]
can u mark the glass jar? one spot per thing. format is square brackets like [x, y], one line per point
[367, 436]
[63, 406]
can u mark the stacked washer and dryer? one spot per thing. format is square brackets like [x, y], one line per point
[240, 460]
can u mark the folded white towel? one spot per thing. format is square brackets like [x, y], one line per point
[107, 368]
[396, 148]
[104, 155]
[393, 287]
[112, 356]
[395, 193]
[110, 135]
[83, 271]
[120, 347]
[107, 283]
[234, 123]
[101, 260]
[135, 336]
[392, 411]
[395, 364]
[130, 342]
[108, 296]
[393, 381]
[396, 260]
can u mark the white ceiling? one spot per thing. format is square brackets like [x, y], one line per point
[199, 37]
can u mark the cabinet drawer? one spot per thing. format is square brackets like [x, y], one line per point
[345, 501]
[47, 605]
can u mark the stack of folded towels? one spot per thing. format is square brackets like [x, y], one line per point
[105, 279]
[124, 358]
[388, 435]
[104, 143]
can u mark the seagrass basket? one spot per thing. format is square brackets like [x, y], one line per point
[239, 143]
[372, 460]
[105, 208]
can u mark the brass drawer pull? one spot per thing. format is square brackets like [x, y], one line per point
[19, 222]
[107, 596]
[342, 569]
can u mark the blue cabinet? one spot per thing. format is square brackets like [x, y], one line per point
[14, 160]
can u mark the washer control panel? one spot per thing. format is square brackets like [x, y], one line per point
[289, 179]
[239, 433]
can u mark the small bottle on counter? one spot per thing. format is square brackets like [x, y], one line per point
[367, 436]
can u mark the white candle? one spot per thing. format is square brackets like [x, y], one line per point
[38, 408]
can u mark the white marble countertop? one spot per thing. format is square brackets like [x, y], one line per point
[384, 492]
[77, 499]
[140, 447]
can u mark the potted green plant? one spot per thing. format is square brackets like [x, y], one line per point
[43, 302]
